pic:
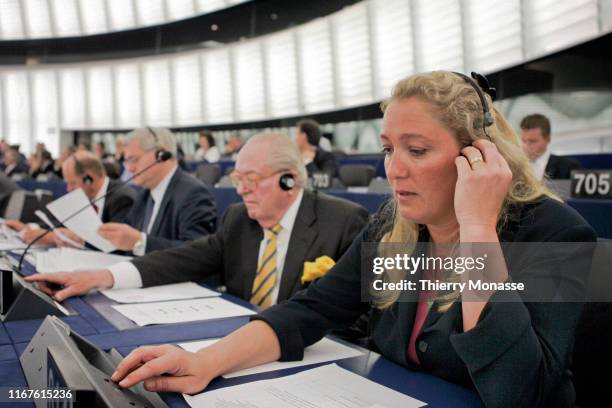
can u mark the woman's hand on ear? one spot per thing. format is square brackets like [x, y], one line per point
[483, 180]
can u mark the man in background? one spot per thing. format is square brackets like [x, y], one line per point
[260, 249]
[172, 207]
[84, 170]
[307, 137]
[535, 138]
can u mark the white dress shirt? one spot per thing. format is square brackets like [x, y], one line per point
[126, 275]
[122, 271]
[282, 242]
[539, 164]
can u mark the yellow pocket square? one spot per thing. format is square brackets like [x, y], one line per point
[316, 269]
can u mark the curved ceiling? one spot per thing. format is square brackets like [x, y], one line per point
[37, 19]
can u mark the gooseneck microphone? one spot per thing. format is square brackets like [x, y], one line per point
[161, 156]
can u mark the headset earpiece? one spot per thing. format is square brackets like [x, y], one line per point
[480, 84]
[287, 182]
[161, 154]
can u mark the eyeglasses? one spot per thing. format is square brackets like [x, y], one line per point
[249, 180]
[136, 159]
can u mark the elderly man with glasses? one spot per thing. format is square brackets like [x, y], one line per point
[261, 247]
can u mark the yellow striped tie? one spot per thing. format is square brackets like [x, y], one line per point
[265, 280]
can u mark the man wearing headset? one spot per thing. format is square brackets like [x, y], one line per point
[173, 207]
[84, 170]
[260, 249]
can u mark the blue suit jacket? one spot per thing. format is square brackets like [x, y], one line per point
[187, 212]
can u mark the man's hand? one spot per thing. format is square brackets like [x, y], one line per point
[15, 225]
[164, 368]
[122, 236]
[62, 285]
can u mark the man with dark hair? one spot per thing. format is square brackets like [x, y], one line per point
[84, 170]
[535, 138]
[315, 159]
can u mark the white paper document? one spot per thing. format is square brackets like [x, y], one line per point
[86, 223]
[174, 291]
[57, 232]
[71, 259]
[323, 387]
[180, 311]
[322, 351]
[10, 239]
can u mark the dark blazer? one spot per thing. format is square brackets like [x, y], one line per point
[118, 203]
[187, 212]
[518, 353]
[323, 161]
[559, 167]
[324, 225]
[20, 168]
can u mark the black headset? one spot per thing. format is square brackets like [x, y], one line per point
[287, 182]
[479, 83]
[161, 154]
[78, 167]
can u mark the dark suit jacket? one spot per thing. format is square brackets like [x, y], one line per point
[21, 168]
[559, 167]
[7, 186]
[118, 203]
[324, 225]
[323, 161]
[518, 353]
[187, 212]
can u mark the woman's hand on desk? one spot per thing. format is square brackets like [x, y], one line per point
[169, 368]
[164, 368]
[62, 285]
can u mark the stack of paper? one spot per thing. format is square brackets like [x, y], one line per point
[180, 311]
[322, 351]
[70, 259]
[85, 224]
[175, 291]
[9, 239]
[324, 387]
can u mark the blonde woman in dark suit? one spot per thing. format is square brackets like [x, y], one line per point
[458, 176]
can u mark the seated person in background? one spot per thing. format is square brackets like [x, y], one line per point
[207, 149]
[84, 170]
[67, 151]
[173, 207]
[535, 138]
[262, 244]
[315, 159]
[100, 151]
[41, 163]
[232, 147]
[14, 164]
[452, 184]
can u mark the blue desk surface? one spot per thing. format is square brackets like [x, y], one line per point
[14, 337]
[432, 390]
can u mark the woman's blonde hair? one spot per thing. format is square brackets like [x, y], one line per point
[456, 105]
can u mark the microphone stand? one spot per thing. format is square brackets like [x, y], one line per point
[161, 157]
